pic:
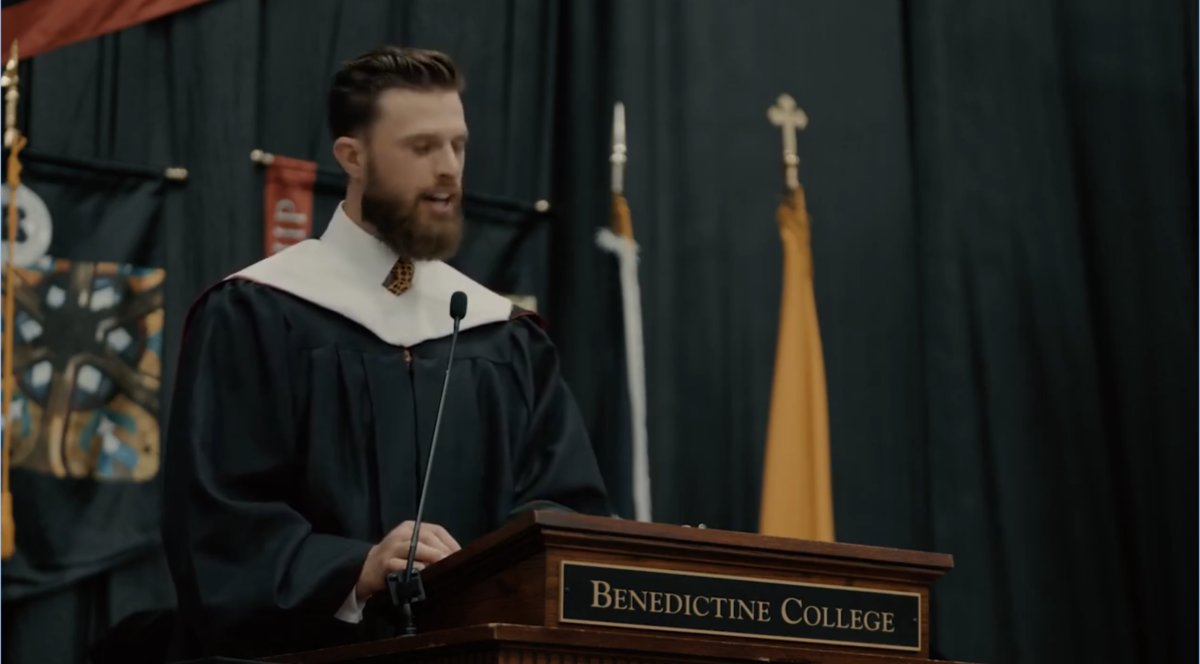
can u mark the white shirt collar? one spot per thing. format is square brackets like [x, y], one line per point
[368, 252]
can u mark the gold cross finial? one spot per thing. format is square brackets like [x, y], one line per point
[785, 115]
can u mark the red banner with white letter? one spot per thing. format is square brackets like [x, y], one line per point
[288, 202]
[44, 25]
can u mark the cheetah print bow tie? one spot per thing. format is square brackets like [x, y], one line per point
[400, 279]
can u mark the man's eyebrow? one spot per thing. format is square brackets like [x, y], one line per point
[432, 136]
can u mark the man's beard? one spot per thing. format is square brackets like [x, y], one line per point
[400, 225]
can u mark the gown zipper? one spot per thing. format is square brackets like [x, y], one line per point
[412, 381]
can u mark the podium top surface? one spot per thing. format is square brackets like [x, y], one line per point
[556, 528]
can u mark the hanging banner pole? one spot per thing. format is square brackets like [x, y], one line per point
[14, 141]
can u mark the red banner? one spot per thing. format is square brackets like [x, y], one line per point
[288, 202]
[44, 25]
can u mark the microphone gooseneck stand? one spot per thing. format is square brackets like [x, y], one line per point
[407, 589]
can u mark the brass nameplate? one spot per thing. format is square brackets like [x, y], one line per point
[643, 598]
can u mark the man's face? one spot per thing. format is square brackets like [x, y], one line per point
[412, 190]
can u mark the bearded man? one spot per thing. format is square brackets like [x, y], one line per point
[309, 384]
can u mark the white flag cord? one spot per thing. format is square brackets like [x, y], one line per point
[626, 251]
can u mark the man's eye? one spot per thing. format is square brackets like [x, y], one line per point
[422, 148]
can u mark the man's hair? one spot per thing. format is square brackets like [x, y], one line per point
[360, 82]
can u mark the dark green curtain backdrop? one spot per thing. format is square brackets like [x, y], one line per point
[1055, 160]
[1004, 214]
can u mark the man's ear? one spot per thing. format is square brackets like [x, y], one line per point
[349, 153]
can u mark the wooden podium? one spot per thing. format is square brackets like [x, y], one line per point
[561, 588]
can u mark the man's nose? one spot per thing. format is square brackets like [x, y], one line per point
[448, 162]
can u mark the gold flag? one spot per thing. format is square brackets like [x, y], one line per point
[797, 495]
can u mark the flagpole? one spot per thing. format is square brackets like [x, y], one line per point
[14, 141]
[619, 241]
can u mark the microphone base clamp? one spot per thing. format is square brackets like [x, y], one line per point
[405, 593]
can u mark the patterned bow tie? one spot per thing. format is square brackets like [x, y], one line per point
[400, 278]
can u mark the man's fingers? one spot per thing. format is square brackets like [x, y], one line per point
[429, 554]
[445, 537]
[431, 541]
[437, 537]
[401, 537]
[402, 531]
[425, 553]
[398, 564]
[431, 534]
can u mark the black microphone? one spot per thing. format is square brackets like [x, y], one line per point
[408, 589]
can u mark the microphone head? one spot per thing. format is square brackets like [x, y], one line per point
[458, 305]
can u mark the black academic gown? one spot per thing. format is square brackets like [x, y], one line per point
[298, 439]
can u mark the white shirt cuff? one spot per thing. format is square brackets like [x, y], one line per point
[352, 609]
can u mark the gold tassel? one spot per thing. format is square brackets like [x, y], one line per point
[622, 220]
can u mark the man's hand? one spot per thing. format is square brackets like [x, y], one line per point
[391, 555]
